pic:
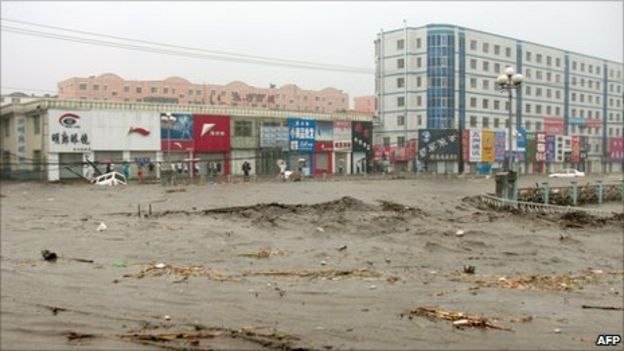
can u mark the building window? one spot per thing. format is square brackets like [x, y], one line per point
[548, 93]
[400, 82]
[573, 96]
[82, 87]
[401, 101]
[154, 90]
[114, 93]
[590, 84]
[485, 122]
[582, 82]
[573, 80]
[139, 90]
[496, 122]
[558, 62]
[528, 73]
[508, 52]
[418, 42]
[558, 95]
[527, 90]
[497, 68]
[549, 60]
[418, 62]
[401, 141]
[496, 105]
[496, 49]
[558, 109]
[386, 141]
[548, 76]
[538, 75]
[473, 121]
[548, 110]
[486, 48]
[527, 125]
[165, 90]
[486, 66]
[473, 102]
[36, 124]
[418, 100]
[538, 126]
[419, 120]
[486, 84]
[400, 44]
[558, 78]
[473, 83]
[574, 65]
[590, 69]
[473, 45]
[506, 105]
[527, 108]
[126, 89]
[582, 67]
[598, 70]
[473, 64]
[528, 56]
[418, 81]
[538, 109]
[400, 120]
[96, 87]
[486, 103]
[400, 63]
[242, 128]
[538, 91]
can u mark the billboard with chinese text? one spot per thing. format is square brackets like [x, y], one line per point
[301, 133]
[438, 144]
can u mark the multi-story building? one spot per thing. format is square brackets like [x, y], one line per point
[443, 76]
[367, 104]
[176, 90]
[20, 98]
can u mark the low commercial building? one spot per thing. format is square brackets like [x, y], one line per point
[57, 139]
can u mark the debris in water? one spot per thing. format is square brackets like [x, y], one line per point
[183, 271]
[101, 227]
[469, 269]
[179, 190]
[320, 229]
[460, 320]
[323, 263]
[264, 253]
[558, 331]
[160, 265]
[48, 255]
[167, 317]
[459, 233]
[342, 248]
[77, 336]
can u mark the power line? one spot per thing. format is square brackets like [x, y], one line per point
[97, 42]
[219, 52]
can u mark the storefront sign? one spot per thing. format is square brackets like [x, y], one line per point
[69, 131]
[324, 146]
[362, 137]
[274, 137]
[465, 145]
[475, 145]
[487, 146]
[211, 133]
[553, 125]
[438, 144]
[20, 129]
[301, 133]
[540, 153]
[499, 146]
[576, 149]
[531, 147]
[616, 148]
[550, 148]
[342, 136]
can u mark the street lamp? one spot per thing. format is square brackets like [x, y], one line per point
[508, 81]
[168, 119]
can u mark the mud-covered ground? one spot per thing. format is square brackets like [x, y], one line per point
[311, 265]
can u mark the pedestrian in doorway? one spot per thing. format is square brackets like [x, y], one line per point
[109, 167]
[246, 168]
[126, 170]
[141, 180]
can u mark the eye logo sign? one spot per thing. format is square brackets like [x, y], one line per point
[142, 131]
[69, 120]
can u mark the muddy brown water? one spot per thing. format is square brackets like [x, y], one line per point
[400, 228]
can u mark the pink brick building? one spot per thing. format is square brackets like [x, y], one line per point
[365, 103]
[111, 87]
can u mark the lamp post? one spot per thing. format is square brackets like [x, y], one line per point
[168, 119]
[508, 81]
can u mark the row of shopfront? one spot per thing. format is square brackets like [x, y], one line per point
[201, 145]
[483, 151]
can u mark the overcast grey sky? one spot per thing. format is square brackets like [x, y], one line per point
[327, 32]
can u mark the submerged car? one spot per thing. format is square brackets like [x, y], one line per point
[110, 179]
[567, 173]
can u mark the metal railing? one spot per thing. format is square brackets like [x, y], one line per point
[533, 207]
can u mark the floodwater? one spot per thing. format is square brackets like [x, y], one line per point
[329, 265]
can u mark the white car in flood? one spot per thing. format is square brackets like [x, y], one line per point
[110, 179]
[567, 173]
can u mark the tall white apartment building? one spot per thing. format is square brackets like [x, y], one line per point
[443, 76]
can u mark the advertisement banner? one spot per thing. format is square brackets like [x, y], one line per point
[20, 132]
[438, 144]
[550, 148]
[553, 125]
[70, 131]
[499, 146]
[301, 133]
[378, 152]
[521, 140]
[212, 133]
[412, 148]
[576, 149]
[117, 130]
[274, 137]
[362, 137]
[324, 131]
[540, 142]
[475, 145]
[342, 135]
[487, 146]
[466, 145]
[324, 146]
[531, 147]
[594, 123]
[616, 148]
[177, 134]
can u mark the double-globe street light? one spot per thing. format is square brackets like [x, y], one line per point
[168, 120]
[509, 81]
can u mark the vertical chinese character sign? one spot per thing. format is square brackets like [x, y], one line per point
[301, 133]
